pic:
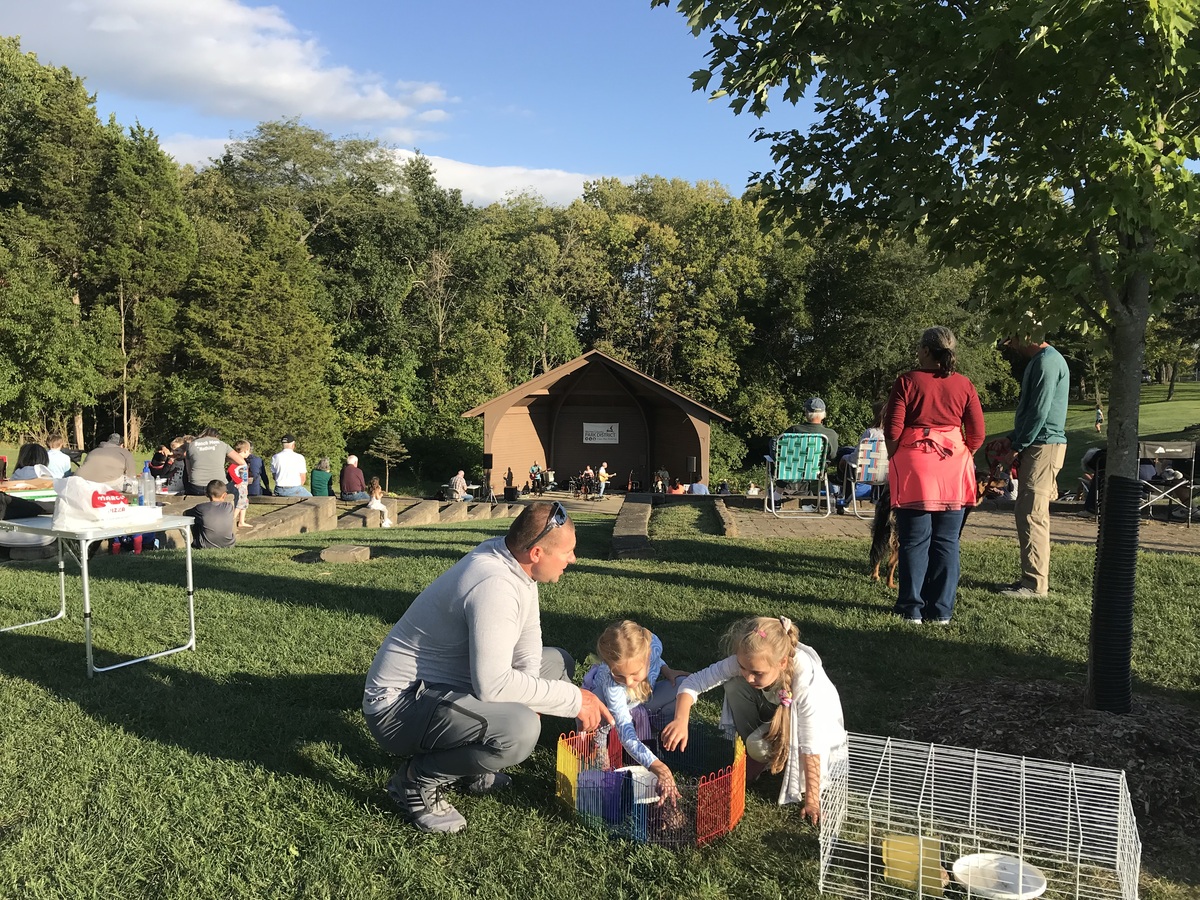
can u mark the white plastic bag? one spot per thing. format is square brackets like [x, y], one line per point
[89, 504]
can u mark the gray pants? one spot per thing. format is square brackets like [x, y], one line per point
[451, 734]
[749, 707]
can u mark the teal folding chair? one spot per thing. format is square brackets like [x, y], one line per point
[801, 459]
[871, 469]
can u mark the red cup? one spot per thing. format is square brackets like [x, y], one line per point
[137, 543]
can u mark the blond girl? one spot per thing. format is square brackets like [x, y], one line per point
[779, 699]
[632, 680]
[375, 490]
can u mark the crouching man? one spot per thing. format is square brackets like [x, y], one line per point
[461, 679]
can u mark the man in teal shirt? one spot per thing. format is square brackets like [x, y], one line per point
[1039, 442]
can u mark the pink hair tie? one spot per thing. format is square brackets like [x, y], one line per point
[785, 697]
[761, 633]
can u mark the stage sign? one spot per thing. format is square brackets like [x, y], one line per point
[601, 433]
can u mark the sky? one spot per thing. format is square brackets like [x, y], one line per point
[536, 95]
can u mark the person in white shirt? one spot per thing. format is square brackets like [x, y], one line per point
[602, 477]
[290, 470]
[781, 702]
[60, 463]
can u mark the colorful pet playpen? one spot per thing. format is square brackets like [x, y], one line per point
[608, 790]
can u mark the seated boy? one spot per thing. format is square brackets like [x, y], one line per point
[214, 520]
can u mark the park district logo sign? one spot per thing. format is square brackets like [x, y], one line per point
[601, 433]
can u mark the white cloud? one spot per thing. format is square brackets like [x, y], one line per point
[480, 185]
[423, 92]
[433, 115]
[187, 148]
[487, 184]
[219, 57]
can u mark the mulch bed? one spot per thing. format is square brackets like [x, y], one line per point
[1157, 744]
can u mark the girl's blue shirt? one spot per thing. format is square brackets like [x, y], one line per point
[616, 698]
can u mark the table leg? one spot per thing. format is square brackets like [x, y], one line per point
[191, 643]
[62, 596]
[87, 604]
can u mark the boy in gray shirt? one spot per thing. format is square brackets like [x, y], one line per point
[214, 520]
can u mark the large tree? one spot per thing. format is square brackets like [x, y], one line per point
[141, 249]
[1049, 138]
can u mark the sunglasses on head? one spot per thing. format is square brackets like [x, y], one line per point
[558, 518]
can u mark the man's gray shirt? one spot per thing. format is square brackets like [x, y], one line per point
[476, 628]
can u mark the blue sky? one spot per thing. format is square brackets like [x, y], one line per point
[503, 97]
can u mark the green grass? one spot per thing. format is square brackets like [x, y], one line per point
[244, 769]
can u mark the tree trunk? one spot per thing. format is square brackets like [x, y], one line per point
[124, 366]
[133, 428]
[79, 427]
[1128, 350]
[1171, 383]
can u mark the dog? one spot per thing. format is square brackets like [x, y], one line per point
[885, 541]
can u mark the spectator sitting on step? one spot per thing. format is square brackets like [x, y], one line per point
[698, 487]
[352, 481]
[376, 502]
[290, 470]
[176, 469]
[60, 461]
[322, 479]
[214, 520]
[32, 462]
[259, 485]
[110, 464]
[205, 459]
[676, 487]
[160, 462]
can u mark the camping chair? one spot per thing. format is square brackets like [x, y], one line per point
[799, 458]
[1177, 490]
[871, 469]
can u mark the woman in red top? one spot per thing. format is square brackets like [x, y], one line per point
[933, 424]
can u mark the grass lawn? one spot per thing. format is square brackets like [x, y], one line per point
[244, 769]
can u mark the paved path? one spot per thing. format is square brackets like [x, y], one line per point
[983, 524]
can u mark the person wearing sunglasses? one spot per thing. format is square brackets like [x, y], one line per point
[461, 681]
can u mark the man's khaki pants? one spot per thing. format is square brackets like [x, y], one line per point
[1037, 475]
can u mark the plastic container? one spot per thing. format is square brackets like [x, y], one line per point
[146, 487]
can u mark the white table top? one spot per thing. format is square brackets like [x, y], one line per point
[41, 525]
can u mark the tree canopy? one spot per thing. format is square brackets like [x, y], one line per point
[325, 286]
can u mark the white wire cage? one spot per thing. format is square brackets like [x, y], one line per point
[904, 819]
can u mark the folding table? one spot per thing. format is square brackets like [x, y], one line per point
[65, 539]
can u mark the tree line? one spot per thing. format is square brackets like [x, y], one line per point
[320, 285]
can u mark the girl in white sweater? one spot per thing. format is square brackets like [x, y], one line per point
[776, 684]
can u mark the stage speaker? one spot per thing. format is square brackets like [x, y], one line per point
[512, 494]
[691, 465]
[487, 461]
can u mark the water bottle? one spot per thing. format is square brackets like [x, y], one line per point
[146, 487]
